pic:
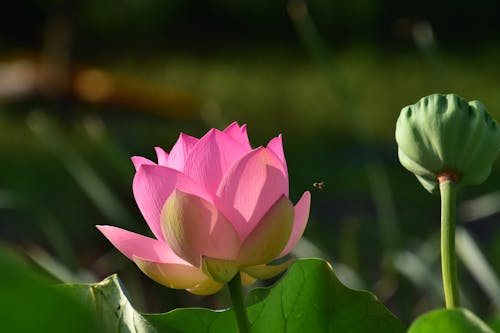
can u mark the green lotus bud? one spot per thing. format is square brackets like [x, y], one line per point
[444, 135]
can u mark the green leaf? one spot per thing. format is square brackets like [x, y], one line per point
[194, 320]
[309, 298]
[109, 300]
[450, 321]
[31, 303]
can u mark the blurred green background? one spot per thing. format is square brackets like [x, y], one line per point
[84, 85]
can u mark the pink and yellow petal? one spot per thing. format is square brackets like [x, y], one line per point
[153, 184]
[193, 227]
[250, 188]
[270, 236]
[218, 269]
[208, 287]
[300, 222]
[172, 275]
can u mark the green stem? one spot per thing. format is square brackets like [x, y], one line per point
[448, 258]
[236, 291]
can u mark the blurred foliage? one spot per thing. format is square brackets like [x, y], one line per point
[65, 153]
[29, 302]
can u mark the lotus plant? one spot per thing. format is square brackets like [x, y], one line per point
[447, 142]
[219, 211]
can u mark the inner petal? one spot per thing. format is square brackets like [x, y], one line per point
[212, 156]
[250, 188]
[193, 228]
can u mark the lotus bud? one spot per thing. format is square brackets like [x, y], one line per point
[446, 137]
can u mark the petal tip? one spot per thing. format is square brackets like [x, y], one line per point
[139, 161]
[161, 155]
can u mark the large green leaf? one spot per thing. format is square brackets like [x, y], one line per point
[449, 321]
[109, 300]
[31, 303]
[309, 298]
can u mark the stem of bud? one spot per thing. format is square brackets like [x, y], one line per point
[447, 187]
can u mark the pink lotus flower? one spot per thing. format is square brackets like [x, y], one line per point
[216, 207]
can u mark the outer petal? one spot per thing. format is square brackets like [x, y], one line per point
[220, 270]
[180, 151]
[161, 155]
[264, 272]
[139, 160]
[270, 236]
[276, 146]
[212, 156]
[193, 227]
[299, 223]
[208, 287]
[177, 276]
[250, 188]
[239, 133]
[132, 244]
[152, 186]
[246, 279]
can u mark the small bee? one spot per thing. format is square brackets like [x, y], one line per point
[319, 185]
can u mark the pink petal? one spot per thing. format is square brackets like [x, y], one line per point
[269, 237]
[180, 151]
[139, 160]
[276, 146]
[250, 188]
[193, 228]
[239, 133]
[132, 244]
[212, 156]
[177, 276]
[153, 184]
[161, 155]
[300, 222]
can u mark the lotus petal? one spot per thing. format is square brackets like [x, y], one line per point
[211, 157]
[250, 188]
[270, 236]
[218, 269]
[132, 244]
[153, 184]
[139, 160]
[180, 151]
[175, 276]
[193, 228]
[276, 146]
[264, 272]
[299, 223]
[239, 133]
[161, 155]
